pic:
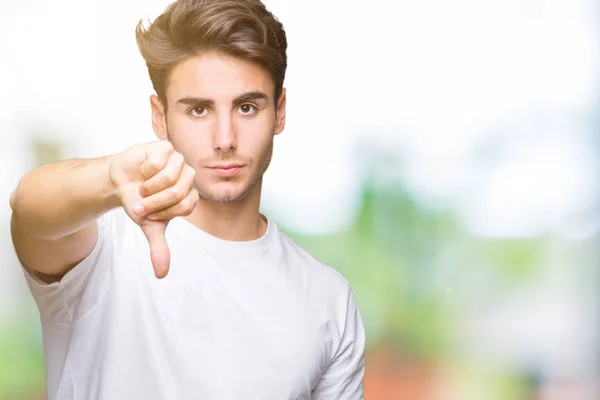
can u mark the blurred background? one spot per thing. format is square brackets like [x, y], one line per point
[444, 156]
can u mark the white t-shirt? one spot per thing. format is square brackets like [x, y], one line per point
[261, 319]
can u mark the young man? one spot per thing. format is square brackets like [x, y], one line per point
[241, 312]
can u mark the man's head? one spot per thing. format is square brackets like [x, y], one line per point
[218, 67]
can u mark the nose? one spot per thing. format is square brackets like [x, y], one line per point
[224, 137]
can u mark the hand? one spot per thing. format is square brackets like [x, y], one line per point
[154, 185]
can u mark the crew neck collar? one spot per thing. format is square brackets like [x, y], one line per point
[211, 242]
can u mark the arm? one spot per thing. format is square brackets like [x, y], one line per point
[55, 207]
[343, 378]
[54, 212]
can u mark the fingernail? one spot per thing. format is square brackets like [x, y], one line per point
[139, 209]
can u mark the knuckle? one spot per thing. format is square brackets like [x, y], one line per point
[155, 164]
[178, 157]
[187, 206]
[152, 206]
[175, 195]
[188, 202]
[159, 215]
[165, 145]
[182, 192]
[188, 175]
[144, 189]
[169, 179]
[193, 204]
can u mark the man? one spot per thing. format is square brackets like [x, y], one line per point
[241, 311]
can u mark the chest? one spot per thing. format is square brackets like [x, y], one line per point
[215, 335]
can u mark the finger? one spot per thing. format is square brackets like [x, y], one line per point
[159, 250]
[168, 197]
[156, 159]
[166, 177]
[181, 209]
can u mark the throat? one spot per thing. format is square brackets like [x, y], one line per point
[227, 225]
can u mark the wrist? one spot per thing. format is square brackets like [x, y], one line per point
[111, 193]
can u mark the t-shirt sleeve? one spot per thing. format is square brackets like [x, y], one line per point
[344, 376]
[82, 288]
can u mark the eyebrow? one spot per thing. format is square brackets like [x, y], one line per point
[201, 101]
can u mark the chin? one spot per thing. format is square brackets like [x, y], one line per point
[224, 194]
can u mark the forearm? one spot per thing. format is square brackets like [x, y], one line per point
[59, 199]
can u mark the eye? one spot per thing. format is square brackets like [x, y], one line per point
[198, 111]
[247, 109]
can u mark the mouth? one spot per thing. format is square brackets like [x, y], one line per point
[227, 169]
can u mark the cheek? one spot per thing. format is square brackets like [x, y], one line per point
[254, 146]
[255, 136]
[188, 137]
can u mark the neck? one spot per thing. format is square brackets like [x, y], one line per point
[235, 221]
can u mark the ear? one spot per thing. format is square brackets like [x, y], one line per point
[280, 112]
[159, 122]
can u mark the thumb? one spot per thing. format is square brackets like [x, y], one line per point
[159, 250]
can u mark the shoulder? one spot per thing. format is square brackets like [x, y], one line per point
[323, 279]
[327, 294]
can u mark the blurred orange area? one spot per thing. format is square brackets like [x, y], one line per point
[389, 377]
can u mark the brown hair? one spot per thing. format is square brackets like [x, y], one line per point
[240, 28]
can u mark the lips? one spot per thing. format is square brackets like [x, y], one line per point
[227, 170]
[226, 166]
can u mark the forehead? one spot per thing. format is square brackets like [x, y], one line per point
[217, 76]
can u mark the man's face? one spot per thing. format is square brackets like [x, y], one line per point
[221, 116]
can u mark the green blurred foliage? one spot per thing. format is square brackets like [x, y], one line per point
[22, 361]
[393, 256]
